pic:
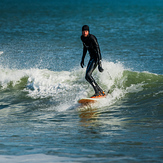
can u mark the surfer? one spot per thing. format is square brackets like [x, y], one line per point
[90, 43]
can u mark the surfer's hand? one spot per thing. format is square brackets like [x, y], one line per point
[82, 63]
[100, 66]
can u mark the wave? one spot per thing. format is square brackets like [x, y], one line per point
[71, 85]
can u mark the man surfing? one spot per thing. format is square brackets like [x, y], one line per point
[90, 43]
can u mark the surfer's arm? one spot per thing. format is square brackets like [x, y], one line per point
[84, 54]
[98, 53]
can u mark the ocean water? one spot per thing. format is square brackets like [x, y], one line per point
[41, 82]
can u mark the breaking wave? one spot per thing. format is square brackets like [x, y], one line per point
[69, 86]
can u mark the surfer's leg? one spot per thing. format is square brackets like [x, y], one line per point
[90, 68]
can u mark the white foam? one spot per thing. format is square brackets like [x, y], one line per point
[112, 72]
[34, 158]
[1, 52]
[135, 88]
[9, 75]
[45, 83]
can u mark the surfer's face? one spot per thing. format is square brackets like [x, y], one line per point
[85, 33]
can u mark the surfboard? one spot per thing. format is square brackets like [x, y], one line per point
[89, 100]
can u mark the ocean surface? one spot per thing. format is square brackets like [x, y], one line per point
[41, 82]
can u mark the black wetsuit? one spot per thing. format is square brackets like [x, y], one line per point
[90, 43]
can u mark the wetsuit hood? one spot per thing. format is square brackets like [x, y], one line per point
[85, 28]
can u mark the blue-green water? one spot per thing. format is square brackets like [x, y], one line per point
[41, 81]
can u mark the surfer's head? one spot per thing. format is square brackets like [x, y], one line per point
[85, 30]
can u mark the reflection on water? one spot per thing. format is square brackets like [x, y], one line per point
[111, 119]
[88, 115]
